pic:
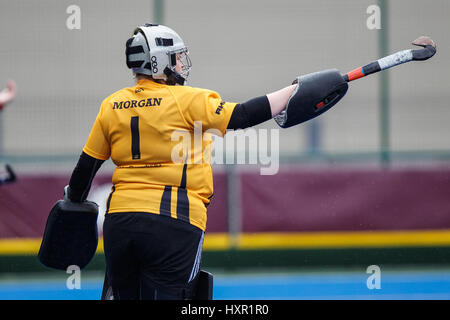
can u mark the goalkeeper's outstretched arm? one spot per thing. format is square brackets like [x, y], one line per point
[260, 109]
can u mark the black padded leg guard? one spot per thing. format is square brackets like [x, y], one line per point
[107, 292]
[204, 290]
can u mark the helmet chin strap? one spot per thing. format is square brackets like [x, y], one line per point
[174, 77]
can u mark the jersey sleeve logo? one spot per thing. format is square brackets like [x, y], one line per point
[220, 107]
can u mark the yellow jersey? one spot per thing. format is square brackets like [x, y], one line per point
[140, 128]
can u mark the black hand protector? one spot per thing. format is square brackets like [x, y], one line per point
[316, 93]
[70, 236]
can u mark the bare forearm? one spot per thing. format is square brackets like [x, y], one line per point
[260, 109]
[278, 99]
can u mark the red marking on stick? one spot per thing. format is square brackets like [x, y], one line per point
[355, 74]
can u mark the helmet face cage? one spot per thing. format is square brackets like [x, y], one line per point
[163, 55]
[181, 57]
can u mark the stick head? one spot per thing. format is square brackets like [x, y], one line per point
[424, 41]
[429, 48]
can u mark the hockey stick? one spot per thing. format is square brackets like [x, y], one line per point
[11, 177]
[429, 49]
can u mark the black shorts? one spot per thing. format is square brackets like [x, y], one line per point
[150, 256]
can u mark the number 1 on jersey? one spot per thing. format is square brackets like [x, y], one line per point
[135, 141]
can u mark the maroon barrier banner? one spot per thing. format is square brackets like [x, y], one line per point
[25, 204]
[295, 199]
[346, 200]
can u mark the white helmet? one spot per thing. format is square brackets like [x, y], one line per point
[153, 50]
